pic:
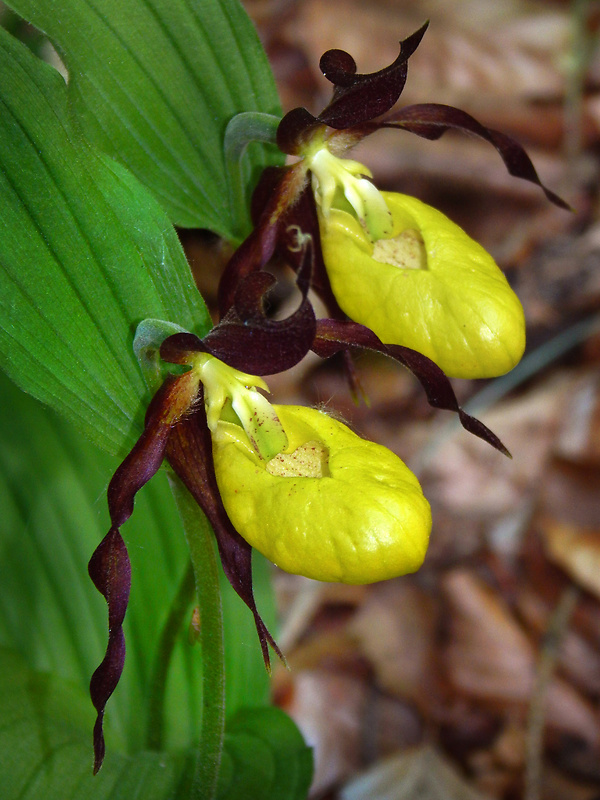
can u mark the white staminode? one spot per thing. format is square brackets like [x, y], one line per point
[256, 415]
[330, 173]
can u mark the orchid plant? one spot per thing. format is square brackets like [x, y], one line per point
[99, 313]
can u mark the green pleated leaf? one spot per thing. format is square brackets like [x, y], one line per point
[85, 255]
[247, 680]
[43, 750]
[52, 486]
[265, 756]
[154, 84]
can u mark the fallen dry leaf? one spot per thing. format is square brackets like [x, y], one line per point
[575, 549]
[328, 709]
[395, 629]
[490, 657]
[579, 440]
[421, 773]
[466, 474]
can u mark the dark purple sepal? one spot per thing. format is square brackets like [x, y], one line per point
[251, 255]
[247, 340]
[110, 570]
[303, 216]
[109, 566]
[189, 452]
[176, 349]
[277, 190]
[295, 130]
[358, 98]
[432, 120]
[334, 336]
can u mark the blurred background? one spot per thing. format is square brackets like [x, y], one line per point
[479, 677]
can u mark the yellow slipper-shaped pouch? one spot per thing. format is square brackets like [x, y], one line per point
[426, 285]
[331, 506]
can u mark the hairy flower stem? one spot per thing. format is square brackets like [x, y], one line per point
[206, 575]
[168, 639]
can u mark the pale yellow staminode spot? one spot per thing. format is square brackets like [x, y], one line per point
[309, 460]
[407, 250]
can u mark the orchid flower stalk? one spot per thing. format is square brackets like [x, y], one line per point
[398, 278]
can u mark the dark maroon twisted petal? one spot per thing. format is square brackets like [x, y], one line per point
[246, 339]
[303, 215]
[270, 201]
[189, 452]
[334, 336]
[146, 455]
[110, 570]
[109, 566]
[358, 98]
[432, 120]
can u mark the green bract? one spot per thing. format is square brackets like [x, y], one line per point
[427, 286]
[332, 506]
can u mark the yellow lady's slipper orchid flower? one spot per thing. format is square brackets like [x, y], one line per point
[425, 285]
[331, 506]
